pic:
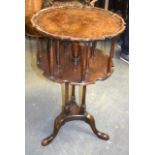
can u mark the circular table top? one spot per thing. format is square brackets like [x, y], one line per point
[78, 24]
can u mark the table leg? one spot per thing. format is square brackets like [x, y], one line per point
[73, 112]
[83, 105]
[66, 107]
[73, 91]
[58, 52]
[94, 44]
[87, 57]
[57, 125]
[91, 121]
[88, 118]
[50, 56]
[59, 119]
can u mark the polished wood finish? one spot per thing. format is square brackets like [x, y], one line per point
[75, 53]
[67, 61]
[94, 44]
[78, 24]
[75, 73]
[31, 7]
[73, 91]
[66, 93]
[83, 105]
[73, 112]
[58, 53]
[50, 56]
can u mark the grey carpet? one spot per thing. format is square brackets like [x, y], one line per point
[106, 100]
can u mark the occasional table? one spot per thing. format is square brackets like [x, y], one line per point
[72, 57]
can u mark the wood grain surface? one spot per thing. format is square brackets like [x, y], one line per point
[83, 24]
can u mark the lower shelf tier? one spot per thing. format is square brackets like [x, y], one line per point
[70, 72]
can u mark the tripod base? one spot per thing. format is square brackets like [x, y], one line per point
[73, 112]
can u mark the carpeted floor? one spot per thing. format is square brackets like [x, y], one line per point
[106, 100]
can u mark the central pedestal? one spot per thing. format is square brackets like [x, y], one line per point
[74, 112]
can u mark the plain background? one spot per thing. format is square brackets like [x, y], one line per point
[12, 77]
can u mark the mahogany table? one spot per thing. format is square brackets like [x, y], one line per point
[72, 57]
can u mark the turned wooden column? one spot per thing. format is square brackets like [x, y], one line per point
[83, 105]
[50, 56]
[73, 92]
[66, 107]
[66, 93]
[58, 53]
[94, 44]
[85, 55]
[75, 53]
